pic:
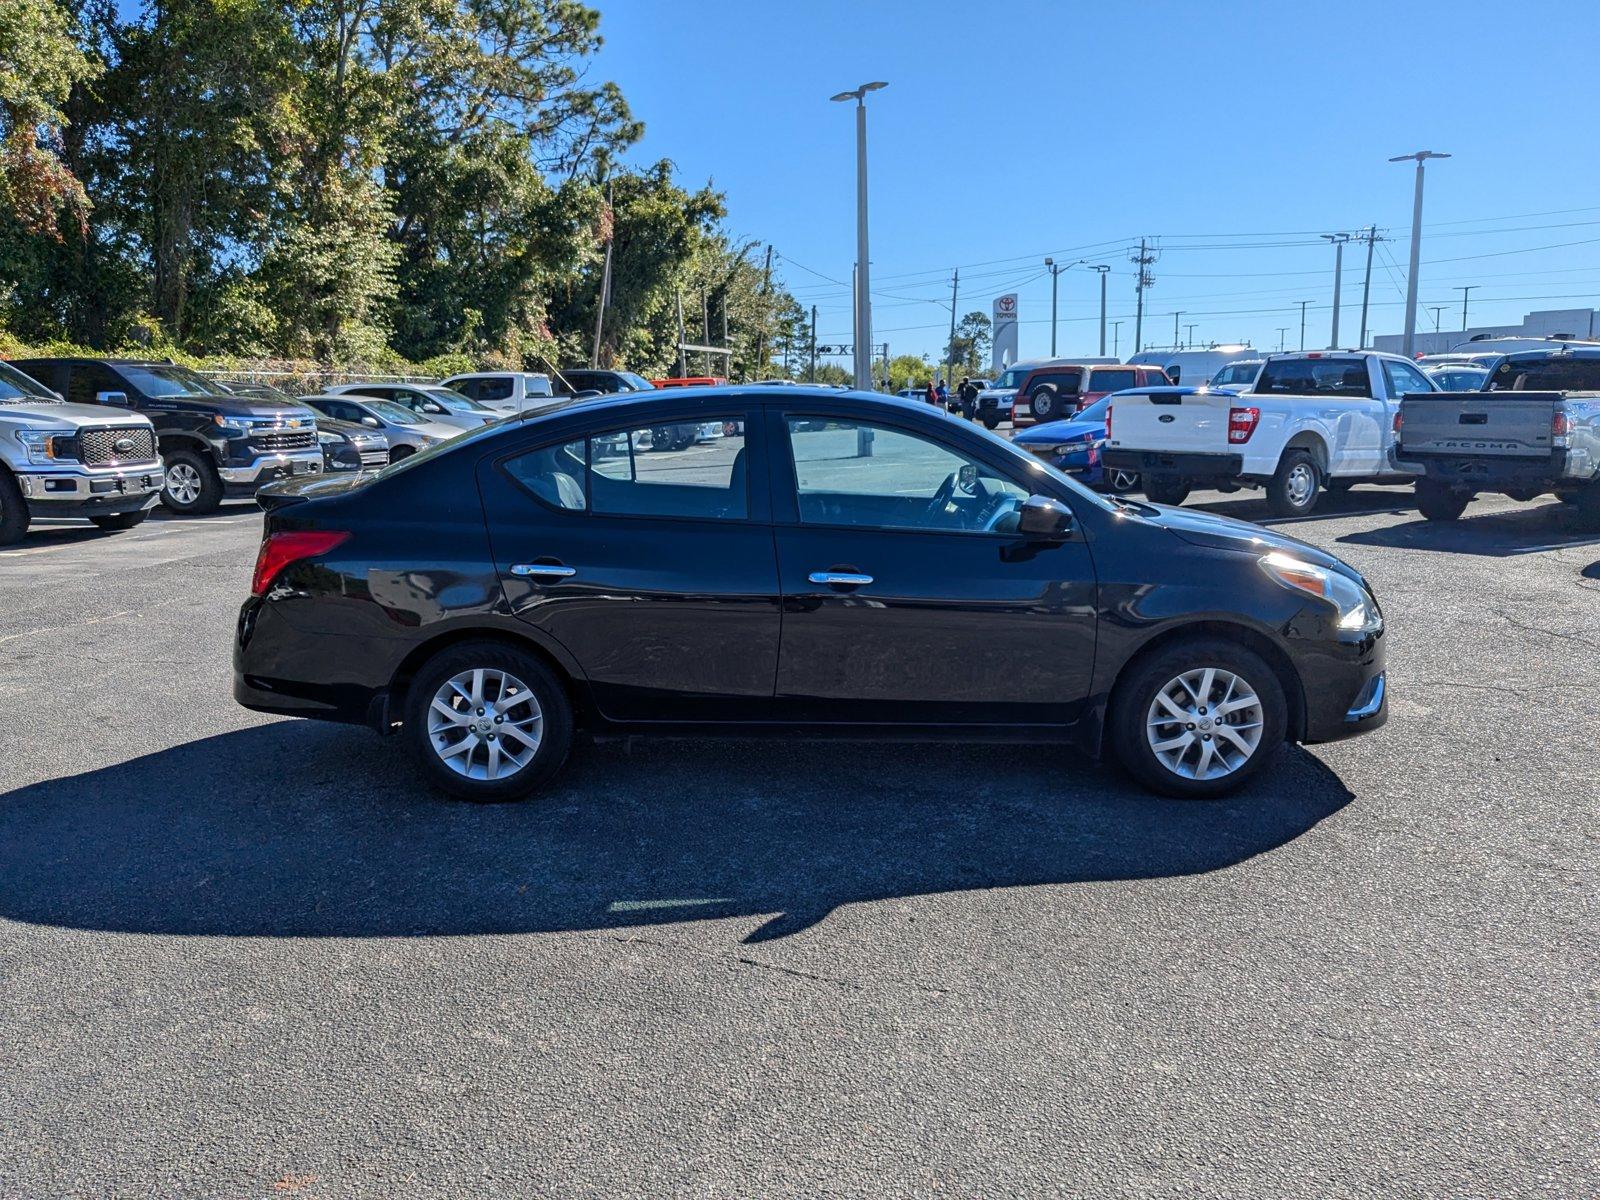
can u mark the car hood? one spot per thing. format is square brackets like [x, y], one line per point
[75, 416]
[1225, 533]
[1060, 431]
[234, 406]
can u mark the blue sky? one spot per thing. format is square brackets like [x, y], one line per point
[1231, 133]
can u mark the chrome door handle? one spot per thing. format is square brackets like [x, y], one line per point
[841, 578]
[543, 570]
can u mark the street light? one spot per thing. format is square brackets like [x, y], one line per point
[1055, 271]
[1104, 270]
[1465, 292]
[863, 346]
[1338, 240]
[1420, 157]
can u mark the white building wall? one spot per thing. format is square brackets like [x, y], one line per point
[1582, 323]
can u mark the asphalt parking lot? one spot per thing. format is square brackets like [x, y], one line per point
[248, 957]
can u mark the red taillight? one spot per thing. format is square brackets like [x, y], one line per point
[1109, 410]
[278, 550]
[1242, 423]
[1560, 425]
[1397, 423]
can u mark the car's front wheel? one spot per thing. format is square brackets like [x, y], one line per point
[1198, 718]
[990, 420]
[193, 485]
[488, 722]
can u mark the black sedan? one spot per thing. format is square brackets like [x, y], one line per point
[844, 563]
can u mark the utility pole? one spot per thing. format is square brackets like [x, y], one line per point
[1338, 240]
[1303, 304]
[1055, 274]
[1420, 157]
[863, 341]
[1283, 331]
[1465, 292]
[1437, 309]
[950, 349]
[811, 375]
[1143, 261]
[1190, 328]
[1175, 343]
[683, 362]
[1104, 271]
[761, 342]
[605, 288]
[705, 328]
[1366, 284]
[1116, 340]
[727, 359]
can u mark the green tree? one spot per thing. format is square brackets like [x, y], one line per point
[968, 349]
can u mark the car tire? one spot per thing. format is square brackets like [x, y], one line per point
[1043, 403]
[990, 422]
[1165, 489]
[1440, 502]
[1293, 489]
[1120, 483]
[1587, 503]
[193, 486]
[480, 772]
[396, 453]
[1157, 753]
[13, 510]
[117, 522]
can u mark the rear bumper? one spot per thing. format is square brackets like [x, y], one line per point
[282, 670]
[1488, 472]
[1188, 465]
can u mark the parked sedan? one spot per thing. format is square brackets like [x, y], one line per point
[441, 405]
[350, 447]
[405, 431]
[848, 563]
[1458, 377]
[1074, 446]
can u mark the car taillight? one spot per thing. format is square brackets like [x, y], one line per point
[1560, 428]
[279, 550]
[1242, 423]
[1397, 424]
[1109, 410]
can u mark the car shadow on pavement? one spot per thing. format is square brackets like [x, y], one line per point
[301, 830]
[1249, 506]
[1526, 529]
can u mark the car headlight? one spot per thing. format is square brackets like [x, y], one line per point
[329, 438]
[226, 427]
[1358, 610]
[45, 447]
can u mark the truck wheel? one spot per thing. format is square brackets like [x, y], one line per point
[1292, 490]
[1165, 489]
[193, 485]
[1043, 403]
[1588, 502]
[1440, 502]
[117, 522]
[990, 421]
[13, 510]
[488, 722]
[1197, 719]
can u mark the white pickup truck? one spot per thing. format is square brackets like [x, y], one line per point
[1313, 420]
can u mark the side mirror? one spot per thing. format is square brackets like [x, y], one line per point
[119, 399]
[1044, 520]
[372, 422]
[437, 410]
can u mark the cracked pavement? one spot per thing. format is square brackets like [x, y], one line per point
[246, 957]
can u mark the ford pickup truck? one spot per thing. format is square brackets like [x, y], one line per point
[1533, 430]
[1313, 420]
[71, 460]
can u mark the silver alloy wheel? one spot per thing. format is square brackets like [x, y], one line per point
[1205, 724]
[183, 483]
[1301, 484]
[485, 724]
[1124, 481]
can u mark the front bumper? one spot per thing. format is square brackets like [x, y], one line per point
[1346, 686]
[243, 479]
[87, 491]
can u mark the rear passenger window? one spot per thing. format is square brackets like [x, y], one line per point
[555, 474]
[1111, 381]
[694, 470]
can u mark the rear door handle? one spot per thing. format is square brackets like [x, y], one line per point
[839, 578]
[543, 570]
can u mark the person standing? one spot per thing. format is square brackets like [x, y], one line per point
[943, 395]
[930, 393]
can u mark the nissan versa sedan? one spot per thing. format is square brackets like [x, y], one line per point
[844, 563]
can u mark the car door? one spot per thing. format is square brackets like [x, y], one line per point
[652, 567]
[1399, 378]
[906, 599]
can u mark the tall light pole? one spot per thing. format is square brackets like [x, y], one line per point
[1282, 332]
[1338, 240]
[1116, 340]
[1303, 304]
[1436, 309]
[1175, 316]
[863, 340]
[1420, 157]
[1104, 271]
[1055, 270]
[1366, 285]
[1465, 292]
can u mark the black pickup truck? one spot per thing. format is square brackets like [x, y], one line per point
[1532, 430]
[214, 444]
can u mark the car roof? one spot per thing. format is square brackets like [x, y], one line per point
[1554, 352]
[724, 393]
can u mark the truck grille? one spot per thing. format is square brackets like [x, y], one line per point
[277, 440]
[100, 447]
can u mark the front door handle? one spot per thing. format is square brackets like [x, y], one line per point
[839, 578]
[543, 570]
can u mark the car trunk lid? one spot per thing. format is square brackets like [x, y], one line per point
[1192, 421]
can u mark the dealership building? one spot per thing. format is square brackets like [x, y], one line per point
[1580, 323]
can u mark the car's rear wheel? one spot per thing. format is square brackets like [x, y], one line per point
[488, 722]
[193, 485]
[117, 522]
[1292, 490]
[1440, 502]
[1118, 482]
[1165, 489]
[1198, 718]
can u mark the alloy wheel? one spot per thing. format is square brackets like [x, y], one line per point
[1205, 724]
[485, 724]
[183, 483]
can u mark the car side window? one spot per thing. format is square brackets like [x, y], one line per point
[494, 389]
[88, 380]
[467, 387]
[557, 475]
[856, 473]
[695, 470]
[1403, 379]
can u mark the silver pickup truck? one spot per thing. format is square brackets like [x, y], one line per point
[71, 460]
[1533, 430]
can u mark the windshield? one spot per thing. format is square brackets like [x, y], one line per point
[169, 381]
[1029, 468]
[14, 386]
[390, 411]
[455, 401]
[256, 391]
[637, 382]
[1314, 376]
[1011, 379]
[1095, 411]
